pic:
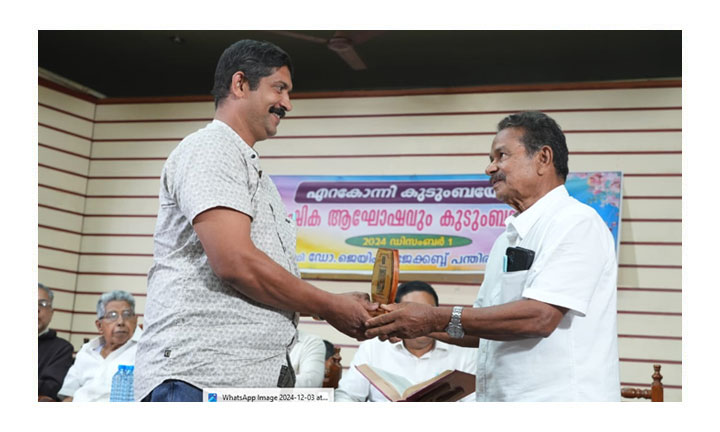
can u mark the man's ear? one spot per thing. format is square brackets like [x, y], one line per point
[97, 324]
[239, 84]
[544, 160]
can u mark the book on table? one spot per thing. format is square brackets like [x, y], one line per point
[449, 386]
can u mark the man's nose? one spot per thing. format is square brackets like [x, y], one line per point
[491, 168]
[286, 104]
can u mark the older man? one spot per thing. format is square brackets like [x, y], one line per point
[54, 353]
[90, 378]
[546, 325]
[416, 359]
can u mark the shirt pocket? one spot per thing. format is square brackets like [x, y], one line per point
[512, 285]
[285, 228]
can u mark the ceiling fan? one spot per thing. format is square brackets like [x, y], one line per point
[343, 42]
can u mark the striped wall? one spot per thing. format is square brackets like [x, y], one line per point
[65, 129]
[100, 163]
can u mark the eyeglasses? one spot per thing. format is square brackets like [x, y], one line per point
[44, 304]
[112, 316]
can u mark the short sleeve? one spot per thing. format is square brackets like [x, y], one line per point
[571, 266]
[210, 171]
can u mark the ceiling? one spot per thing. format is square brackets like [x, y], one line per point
[162, 63]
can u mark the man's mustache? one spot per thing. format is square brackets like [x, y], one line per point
[496, 178]
[278, 110]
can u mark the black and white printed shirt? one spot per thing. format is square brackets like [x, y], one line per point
[199, 329]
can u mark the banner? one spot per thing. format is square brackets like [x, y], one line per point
[439, 223]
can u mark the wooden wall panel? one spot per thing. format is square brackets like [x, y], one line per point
[120, 225]
[144, 111]
[97, 282]
[65, 127]
[71, 182]
[115, 264]
[63, 141]
[62, 160]
[60, 219]
[121, 206]
[650, 255]
[649, 277]
[652, 208]
[651, 231]
[117, 245]
[426, 124]
[66, 121]
[71, 104]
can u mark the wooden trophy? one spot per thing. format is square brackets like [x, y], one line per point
[386, 272]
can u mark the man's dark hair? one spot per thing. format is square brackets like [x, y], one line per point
[408, 287]
[257, 59]
[329, 349]
[540, 130]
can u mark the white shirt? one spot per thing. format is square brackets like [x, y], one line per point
[575, 267]
[308, 360]
[90, 377]
[396, 359]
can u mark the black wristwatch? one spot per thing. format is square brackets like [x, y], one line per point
[454, 328]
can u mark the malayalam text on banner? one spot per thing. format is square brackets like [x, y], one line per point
[439, 223]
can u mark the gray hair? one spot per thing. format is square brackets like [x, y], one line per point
[117, 295]
[47, 290]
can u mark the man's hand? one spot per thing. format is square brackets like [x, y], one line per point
[404, 320]
[349, 312]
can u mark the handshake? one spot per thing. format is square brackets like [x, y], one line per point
[359, 317]
[356, 316]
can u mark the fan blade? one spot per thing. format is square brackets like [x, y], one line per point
[352, 58]
[358, 36]
[300, 36]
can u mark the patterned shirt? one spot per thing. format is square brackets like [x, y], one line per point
[199, 329]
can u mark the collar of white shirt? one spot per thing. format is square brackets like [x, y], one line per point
[98, 342]
[519, 225]
[439, 345]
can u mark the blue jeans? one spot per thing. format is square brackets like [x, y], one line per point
[174, 391]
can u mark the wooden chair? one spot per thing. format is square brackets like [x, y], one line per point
[655, 394]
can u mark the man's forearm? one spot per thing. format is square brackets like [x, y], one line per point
[248, 269]
[259, 277]
[516, 320]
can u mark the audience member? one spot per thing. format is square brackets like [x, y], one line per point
[54, 353]
[417, 359]
[333, 367]
[90, 378]
[307, 358]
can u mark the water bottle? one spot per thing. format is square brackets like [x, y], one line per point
[122, 385]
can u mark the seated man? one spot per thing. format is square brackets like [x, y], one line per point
[90, 378]
[54, 353]
[416, 359]
[333, 365]
[308, 360]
